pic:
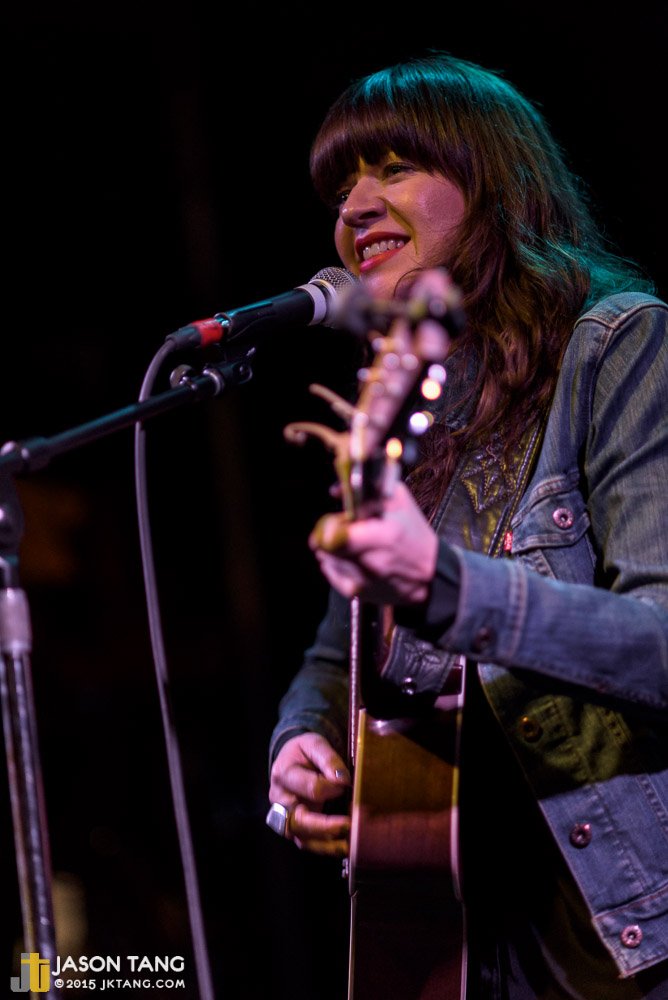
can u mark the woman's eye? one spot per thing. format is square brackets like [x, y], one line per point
[392, 169]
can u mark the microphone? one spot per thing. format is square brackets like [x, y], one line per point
[311, 304]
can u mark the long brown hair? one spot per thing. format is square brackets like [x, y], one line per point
[527, 255]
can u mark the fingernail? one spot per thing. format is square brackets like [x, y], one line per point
[341, 775]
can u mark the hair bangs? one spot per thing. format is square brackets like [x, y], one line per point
[367, 126]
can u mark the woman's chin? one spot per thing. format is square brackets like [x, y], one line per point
[382, 282]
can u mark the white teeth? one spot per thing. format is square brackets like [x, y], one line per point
[382, 247]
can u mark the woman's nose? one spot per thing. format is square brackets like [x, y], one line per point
[363, 204]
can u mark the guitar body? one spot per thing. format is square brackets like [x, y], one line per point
[407, 938]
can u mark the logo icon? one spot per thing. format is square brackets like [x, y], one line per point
[35, 974]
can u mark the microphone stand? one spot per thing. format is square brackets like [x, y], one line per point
[21, 745]
[18, 709]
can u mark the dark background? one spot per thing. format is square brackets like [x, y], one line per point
[156, 171]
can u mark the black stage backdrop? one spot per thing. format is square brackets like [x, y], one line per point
[156, 171]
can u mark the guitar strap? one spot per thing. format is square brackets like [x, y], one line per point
[475, 513]
[485, 492]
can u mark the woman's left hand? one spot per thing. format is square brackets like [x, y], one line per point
[389, 559]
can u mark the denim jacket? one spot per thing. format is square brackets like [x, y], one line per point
[570, 633]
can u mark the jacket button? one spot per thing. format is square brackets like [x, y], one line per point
[580, 835]
[563, 517]
[530, 729]
[482, 639]
[408, 686]
[631, 936]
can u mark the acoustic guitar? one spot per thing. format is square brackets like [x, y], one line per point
[407, 929]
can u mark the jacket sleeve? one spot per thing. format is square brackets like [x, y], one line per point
[317, 699]
[605, 629]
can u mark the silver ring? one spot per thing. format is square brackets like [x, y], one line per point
[278, 819]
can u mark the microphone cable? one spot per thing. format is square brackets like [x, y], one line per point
[160, 663]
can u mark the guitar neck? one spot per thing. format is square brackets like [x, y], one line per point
[370, 624]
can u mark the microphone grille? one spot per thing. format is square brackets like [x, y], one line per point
[334, 283]
[337, 277]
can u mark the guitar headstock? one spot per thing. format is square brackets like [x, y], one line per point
[408, 357]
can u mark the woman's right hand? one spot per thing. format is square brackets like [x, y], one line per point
[306, 774]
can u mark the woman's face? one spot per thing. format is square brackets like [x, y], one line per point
[395, 217]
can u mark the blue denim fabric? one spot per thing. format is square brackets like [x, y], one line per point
[571, 632]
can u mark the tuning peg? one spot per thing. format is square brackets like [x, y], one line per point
[359, 313]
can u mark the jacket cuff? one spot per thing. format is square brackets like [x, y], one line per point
[436, 614]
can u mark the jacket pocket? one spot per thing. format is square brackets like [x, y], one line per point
[551, 531]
